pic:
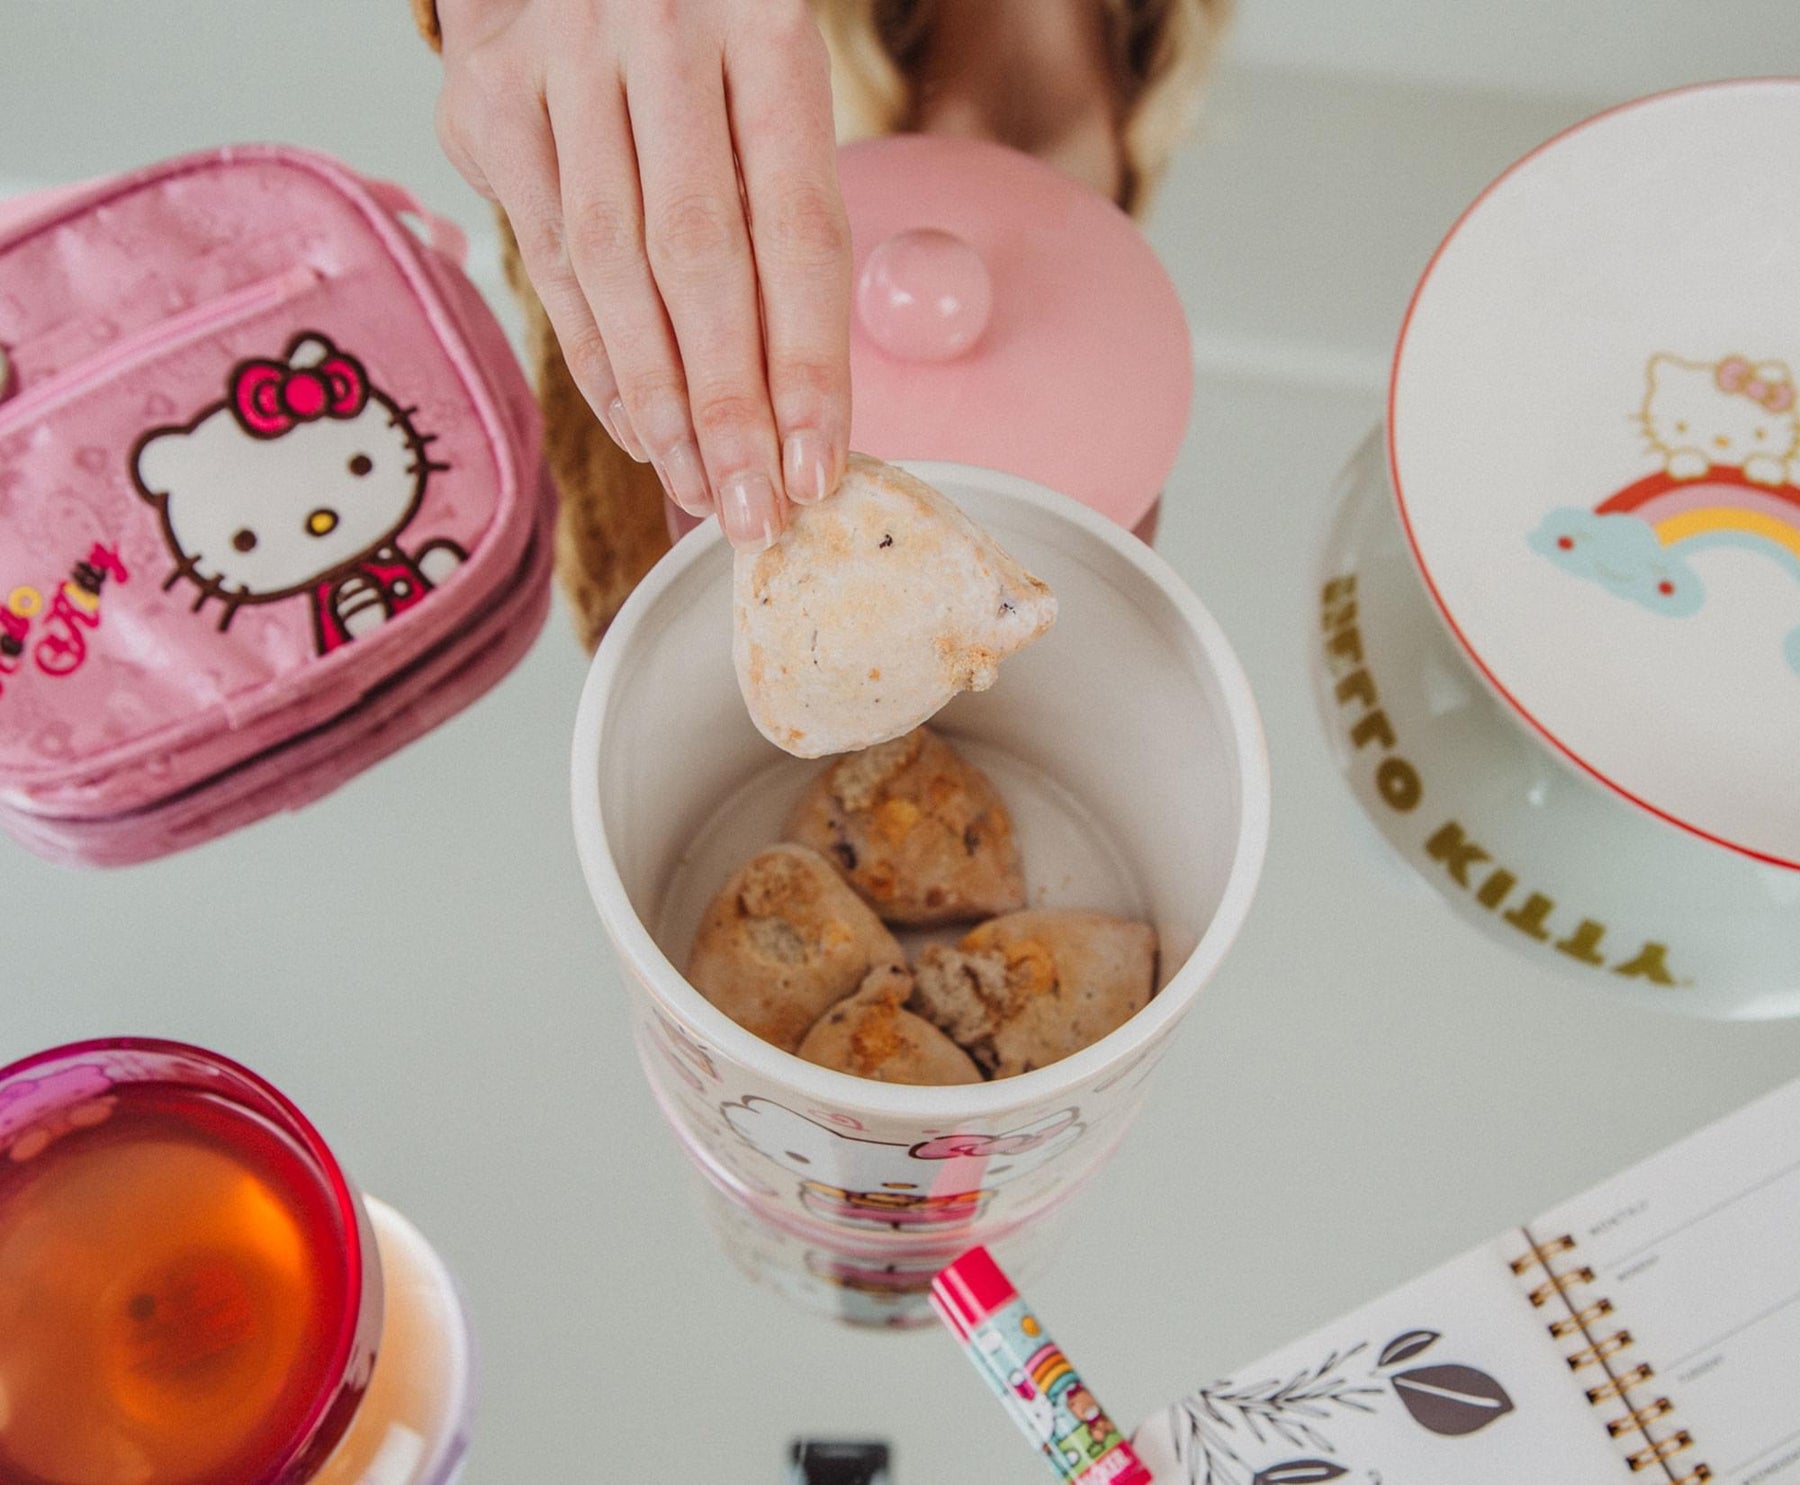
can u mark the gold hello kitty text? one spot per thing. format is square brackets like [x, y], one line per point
[1449, 847]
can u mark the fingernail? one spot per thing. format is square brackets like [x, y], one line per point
[806, 466]
[748, 511]
[607, 423]
[684, 477]
[620, 428]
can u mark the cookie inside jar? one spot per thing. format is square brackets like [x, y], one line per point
[1023, 927]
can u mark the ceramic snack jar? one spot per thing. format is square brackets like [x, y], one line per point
[1139, 789]
[1557, 639]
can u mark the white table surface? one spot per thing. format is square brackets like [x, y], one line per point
[1367, 1088]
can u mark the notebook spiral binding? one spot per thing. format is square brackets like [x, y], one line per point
[1622, 1389]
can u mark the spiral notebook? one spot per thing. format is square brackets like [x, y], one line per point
[1648, 1330]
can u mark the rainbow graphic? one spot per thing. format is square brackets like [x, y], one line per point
[1637, 543]
[1049, 1369]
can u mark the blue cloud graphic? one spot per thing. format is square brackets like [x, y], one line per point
[1622, 554]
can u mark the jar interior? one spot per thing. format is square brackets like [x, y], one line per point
[1110, 740]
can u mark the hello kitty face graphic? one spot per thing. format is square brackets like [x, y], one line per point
[299, 481]
[1732, 412]
[851, 1181]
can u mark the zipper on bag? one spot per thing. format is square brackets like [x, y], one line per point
[41, 399]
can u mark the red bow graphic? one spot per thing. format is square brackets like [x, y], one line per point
[270, 397]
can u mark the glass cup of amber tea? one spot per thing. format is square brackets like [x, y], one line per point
[191, 1290]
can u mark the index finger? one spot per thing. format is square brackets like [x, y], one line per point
[779, 92]
[699, 251]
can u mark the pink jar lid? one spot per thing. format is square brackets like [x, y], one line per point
[1594, 431]
[1010, 317]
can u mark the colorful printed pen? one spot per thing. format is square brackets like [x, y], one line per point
[1030, 1375]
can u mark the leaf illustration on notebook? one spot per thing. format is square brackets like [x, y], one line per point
[1452, 1399]
[1405, 1347]
[1288, 1411]
[1219, 1424]
[1299, 1472]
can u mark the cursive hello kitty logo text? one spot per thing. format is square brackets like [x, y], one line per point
[299, 481]
[1725, 438]
[53, 632]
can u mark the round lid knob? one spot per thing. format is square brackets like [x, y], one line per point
[1010, 317]
[924, 295]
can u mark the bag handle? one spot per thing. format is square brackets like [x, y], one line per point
[442, 233]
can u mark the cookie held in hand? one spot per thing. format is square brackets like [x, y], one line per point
[871, 611]
[873, 1035]
[784, 942]
[1034, 987]
[917, 830]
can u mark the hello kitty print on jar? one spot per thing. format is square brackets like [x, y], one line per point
[853, 1180]
[1733, 413]
[299, 481]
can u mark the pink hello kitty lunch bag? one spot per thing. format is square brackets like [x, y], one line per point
[272, 501]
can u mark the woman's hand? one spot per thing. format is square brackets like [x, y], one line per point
[670, 173]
